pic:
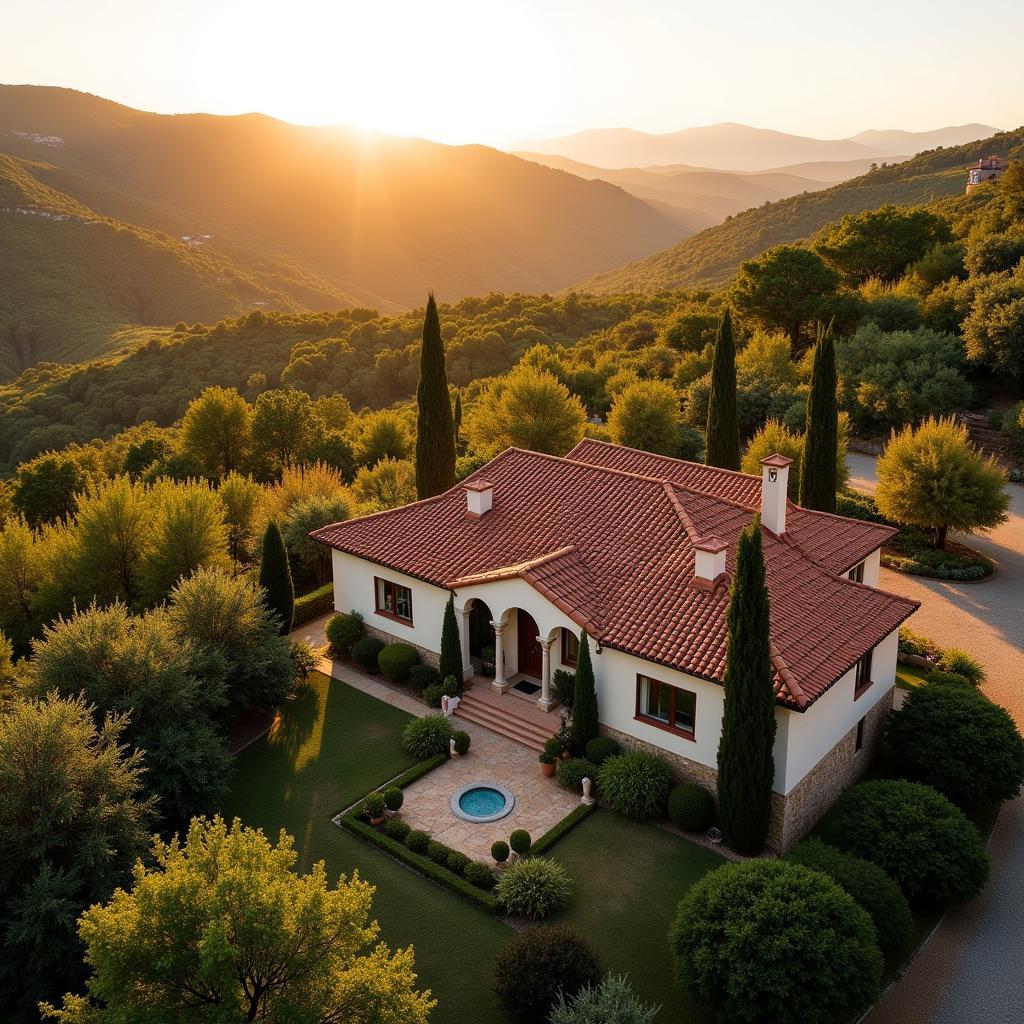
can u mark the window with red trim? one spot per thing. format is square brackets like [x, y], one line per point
[570, 647]
[668, 707]
[393, 600]
[862, 678]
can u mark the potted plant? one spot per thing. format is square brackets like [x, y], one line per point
[393, 800]
[564, 736]
[374, 807]
[547, 764]
[461, 741]
[554, 747]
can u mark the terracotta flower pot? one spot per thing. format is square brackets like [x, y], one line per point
[548, 769]
[377, 821]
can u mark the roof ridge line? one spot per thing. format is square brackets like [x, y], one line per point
[684, 517]
[788, 679]
[669, 458]
[513, 568]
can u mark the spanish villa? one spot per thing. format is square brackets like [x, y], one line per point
[637, 549]
[986, 168]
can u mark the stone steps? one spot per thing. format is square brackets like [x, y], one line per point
[503, 722]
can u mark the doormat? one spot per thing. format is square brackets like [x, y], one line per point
[524, 686]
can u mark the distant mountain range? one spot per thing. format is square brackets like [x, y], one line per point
[713, 256]
[250, 212]
[738, 147]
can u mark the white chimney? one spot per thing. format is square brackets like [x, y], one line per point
[479, 495]
[774, 485]
[709, 558]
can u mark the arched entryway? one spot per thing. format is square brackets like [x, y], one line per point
[530, 656]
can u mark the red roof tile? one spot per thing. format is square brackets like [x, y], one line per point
[615, 551]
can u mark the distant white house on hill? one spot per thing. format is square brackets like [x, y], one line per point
[638, 550]
[985, 169]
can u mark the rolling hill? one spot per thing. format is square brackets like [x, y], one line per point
[738, 147]
[714, 255]
[307, 218]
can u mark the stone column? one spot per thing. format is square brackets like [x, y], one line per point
[467, 661]
[500, 683]
[546, 702]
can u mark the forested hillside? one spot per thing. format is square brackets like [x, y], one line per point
[275, 216]
[714, 255]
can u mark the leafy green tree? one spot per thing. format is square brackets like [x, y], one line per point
[775, 438]
[723, 432]
[646, 415]
[435, 432]
[731, 926]
[313, 513]
[46, 488]
[994, 327]
[276, 578]
[881, 243]
[284, 425]
[240, 496]
[225, 618]
[746, 767]
[9, 684]
[818, 471]
[935, 478]
[221, 927]
[382, 434]
[585, 725]
[188, 531]
[451, 644]
[23, 569]
[135, 667]
[216, 431]
[530, 409]
[1011, 188]
[72, 821]
[388, 484]
[457, 417]
[786, 288]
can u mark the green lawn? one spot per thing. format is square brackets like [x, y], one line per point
[628, 881]
[333, 745]
[909, 677]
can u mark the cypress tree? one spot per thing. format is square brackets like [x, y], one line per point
[723, 430]
[457, 417]
[276, 577]
[435, 435]
[584, 704]
[818, 473]
[451, 645]
[746, 767]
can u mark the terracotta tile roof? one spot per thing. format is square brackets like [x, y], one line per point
[615, 551]
[837, 543]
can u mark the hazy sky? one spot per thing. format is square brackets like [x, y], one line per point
[501, 72]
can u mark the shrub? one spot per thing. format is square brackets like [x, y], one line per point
[479, 874]
[393, 798]
[365, 652]
[396, 829]
[937, 678]
[432, 695]
[600, 748]
[962, 663]
[417, 841]
[534, 888]
[500, 851]
[554, 747]
[635, 783]
[537, 965]
[571, 773]
[395, 660]
[520, 841]
[915, 643]
[920, 839]
[462, 741]
[344, 631]
[871, 888]
[312, 605]
[438, 852]
[457, 861]
[453, 686]
[691, 807]
[421, 676]
[427, 736]
[373, 805]
[732, 926]
[955, 739]
[610, 1002]
[563, 686]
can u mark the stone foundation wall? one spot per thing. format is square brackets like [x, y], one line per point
[794, 815]
[427, 657]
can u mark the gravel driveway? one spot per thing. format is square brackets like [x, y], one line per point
[973, 968]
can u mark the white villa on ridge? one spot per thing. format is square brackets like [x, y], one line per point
[637, 549]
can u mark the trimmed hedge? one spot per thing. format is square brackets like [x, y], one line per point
[395, 828]
[600, 748]
[571, 773]
[500, 851]
[417, 840]
[462, 741]
[635, 784]
[421, 676]
[343, 631]
[457, 861]
[691, 807]
[479, 874]
[394, 798]
[312, 605]
[553, 834]
[520, 841]
[365, 653]
[395, 660]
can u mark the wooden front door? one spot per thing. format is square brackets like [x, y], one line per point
[530, 656]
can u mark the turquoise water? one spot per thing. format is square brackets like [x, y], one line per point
[481, 802]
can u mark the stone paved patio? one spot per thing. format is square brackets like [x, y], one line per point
[540, 802]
